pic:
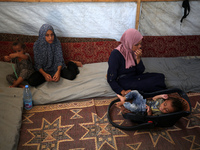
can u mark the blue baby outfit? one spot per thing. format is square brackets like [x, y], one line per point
[138, 104]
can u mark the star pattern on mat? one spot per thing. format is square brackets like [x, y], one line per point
[26, 118]
[156, 133]
[76, 115]
[49, 135]
[102, 131]
[192, 138]
[134, 146]
[194, 117]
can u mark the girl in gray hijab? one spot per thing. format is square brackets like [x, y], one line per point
[48, 59]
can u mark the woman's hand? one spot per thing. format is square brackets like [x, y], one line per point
[138, 54]
[123, 92]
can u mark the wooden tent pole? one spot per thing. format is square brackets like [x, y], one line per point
[137, 14]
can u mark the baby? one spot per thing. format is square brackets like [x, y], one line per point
[161, 104]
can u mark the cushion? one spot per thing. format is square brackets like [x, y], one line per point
[11, 105]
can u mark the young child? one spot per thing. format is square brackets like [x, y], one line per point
[161, 104]
[23, 64]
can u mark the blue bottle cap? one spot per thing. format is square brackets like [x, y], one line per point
[26, 86]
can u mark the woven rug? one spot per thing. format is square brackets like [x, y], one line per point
[83, 125]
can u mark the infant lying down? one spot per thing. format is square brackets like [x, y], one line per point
[161, 104]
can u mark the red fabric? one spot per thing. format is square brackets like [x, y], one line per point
[88, 52]
[171, 46]
[5, 49]
[91, 52]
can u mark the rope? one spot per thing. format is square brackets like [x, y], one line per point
[14, 69]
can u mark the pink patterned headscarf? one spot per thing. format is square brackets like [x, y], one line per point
[129, 38]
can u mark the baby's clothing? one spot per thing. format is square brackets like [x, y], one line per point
[23, 69]
[139, 103]
[155, 105]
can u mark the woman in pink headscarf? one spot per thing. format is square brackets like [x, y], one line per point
[126, 69]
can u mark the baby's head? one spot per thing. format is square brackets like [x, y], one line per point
[18, 47]
[171, 105]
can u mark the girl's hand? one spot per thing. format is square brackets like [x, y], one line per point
[48, 77]
[56, 77]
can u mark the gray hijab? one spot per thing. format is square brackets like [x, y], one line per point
[47, 56]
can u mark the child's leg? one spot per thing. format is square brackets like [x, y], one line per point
[70, 72]
[135, 96]
[131, 106]
[131, 95]
[11, 78]
[17, 82]
[36, 79]
[138, 103]
[122, 100]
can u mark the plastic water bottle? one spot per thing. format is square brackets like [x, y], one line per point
[27, 98]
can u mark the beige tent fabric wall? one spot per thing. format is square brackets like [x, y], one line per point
[100, 20]
[163, 18]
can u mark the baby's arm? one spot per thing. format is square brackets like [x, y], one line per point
[164, 96]
[23, 56]
[149, 111]
[7, 58]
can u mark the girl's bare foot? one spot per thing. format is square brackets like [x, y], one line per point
[78, 63]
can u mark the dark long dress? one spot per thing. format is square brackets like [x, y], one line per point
[133, 78]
